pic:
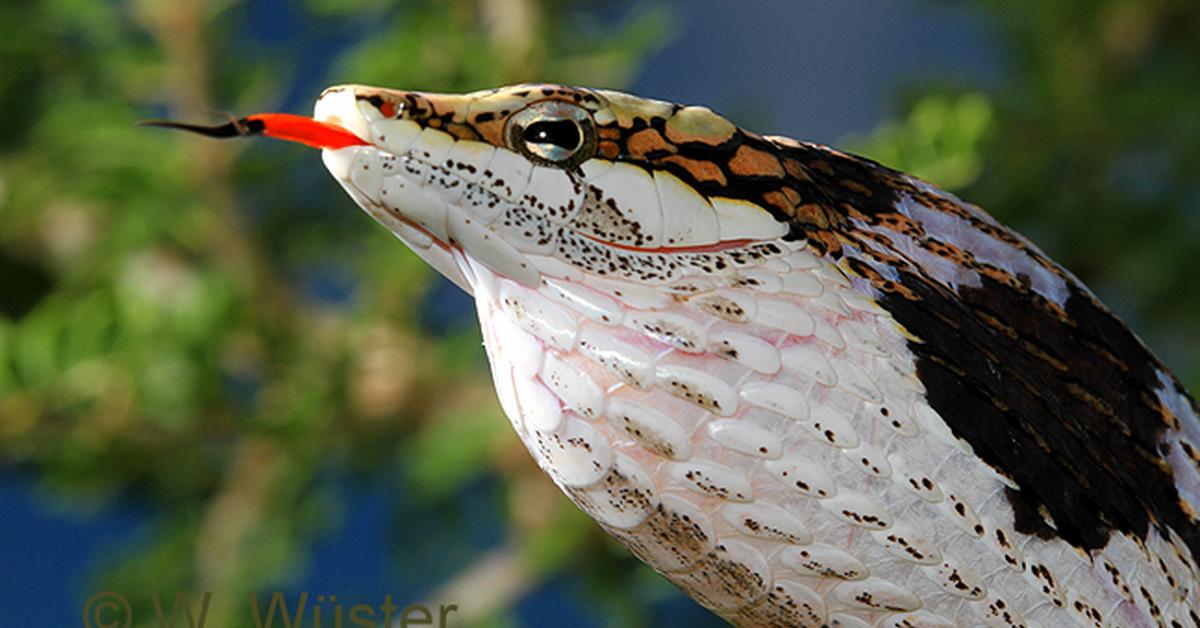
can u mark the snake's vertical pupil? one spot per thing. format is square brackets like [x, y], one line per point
[564, 134]
[552, 133]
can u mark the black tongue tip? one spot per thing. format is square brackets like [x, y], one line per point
[243, 127]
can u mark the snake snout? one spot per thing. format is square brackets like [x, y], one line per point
[339, 105]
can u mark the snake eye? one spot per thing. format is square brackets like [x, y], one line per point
[563, 135]
[553, 133]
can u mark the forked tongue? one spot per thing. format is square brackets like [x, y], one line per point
[283, 126]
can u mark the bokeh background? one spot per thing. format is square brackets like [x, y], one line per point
[217, 375]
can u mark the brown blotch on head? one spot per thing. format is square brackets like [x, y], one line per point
[752, 162]
[784, 199]
[822, 166]
[646, 141]
[492, 131]
[817, 215]
[796, 170]
[462, 131]
[701, 171]
[609, 150]
[793, 197]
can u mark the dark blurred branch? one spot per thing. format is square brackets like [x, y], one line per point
[238, 510]
[180, 28]
[490, 585]
[514, 29]
[240, 506]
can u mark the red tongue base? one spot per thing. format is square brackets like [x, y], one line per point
[283, 126]
[305, 130]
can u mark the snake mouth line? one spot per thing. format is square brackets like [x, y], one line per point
[716, 247]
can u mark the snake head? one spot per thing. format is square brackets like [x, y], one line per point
[608, 183]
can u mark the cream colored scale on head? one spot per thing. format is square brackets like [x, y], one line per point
[808, 390]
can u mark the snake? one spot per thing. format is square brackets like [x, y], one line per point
[805, 388]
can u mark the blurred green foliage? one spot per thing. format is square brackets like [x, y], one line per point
[940, 140]
[172, 324]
